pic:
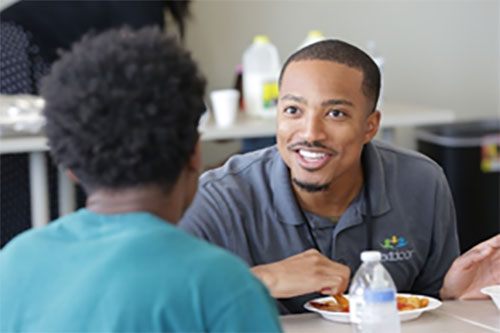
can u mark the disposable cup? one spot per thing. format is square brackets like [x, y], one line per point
[225, 106]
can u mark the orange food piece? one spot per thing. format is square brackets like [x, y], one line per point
[424, 302]
[341, 304]
[342, 301]
[327, 306]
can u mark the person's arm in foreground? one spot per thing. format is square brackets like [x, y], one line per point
[477, 268]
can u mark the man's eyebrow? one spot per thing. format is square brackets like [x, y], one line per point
[294, 98]
[337, 102]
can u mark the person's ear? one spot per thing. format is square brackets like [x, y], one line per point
[72, 176]
[372, 125]
[194, 161]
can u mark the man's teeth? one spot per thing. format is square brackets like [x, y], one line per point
[310, 155]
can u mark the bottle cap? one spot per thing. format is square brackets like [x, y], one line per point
[369, 256]
[315, 34]
[261, 39]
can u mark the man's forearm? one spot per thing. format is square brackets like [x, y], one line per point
[445, 294]
[303, 273]
[265, 276]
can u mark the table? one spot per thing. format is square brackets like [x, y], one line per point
[39, 192]
[393, 115]
[452, 316]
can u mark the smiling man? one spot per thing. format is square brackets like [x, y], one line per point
[301, 212]
[323, 125]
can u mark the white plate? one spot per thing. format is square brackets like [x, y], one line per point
[343, 317]
[494, 293]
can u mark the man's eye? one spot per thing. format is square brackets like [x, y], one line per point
[291, 110]
[336, 113]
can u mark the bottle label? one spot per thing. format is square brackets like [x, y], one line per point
[260, 93]
[490, 153]
[379, 296]
[270, 95]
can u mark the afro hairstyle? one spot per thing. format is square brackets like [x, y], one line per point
[122, 109]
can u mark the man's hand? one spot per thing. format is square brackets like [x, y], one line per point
[304, 273]
[477, 268]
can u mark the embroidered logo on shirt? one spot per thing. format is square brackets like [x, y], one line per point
[394, 243]
[395, 252]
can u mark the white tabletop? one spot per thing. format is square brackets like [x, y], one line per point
[452, 316]
[23, 144]
[393, 115]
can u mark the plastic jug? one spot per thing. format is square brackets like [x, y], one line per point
[261, 67]
[313, 36]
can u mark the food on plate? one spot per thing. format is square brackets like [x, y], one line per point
[341, 304]
[411, 302]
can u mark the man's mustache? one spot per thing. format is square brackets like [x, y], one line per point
[314, 144]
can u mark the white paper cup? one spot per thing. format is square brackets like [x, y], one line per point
[225, 106]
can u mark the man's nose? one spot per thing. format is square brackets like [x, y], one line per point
[313, 129]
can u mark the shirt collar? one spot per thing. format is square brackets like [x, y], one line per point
[377, 182]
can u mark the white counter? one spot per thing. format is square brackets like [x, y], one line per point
[393, 115]
[452, 316]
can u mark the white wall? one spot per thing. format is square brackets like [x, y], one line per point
[438, 53]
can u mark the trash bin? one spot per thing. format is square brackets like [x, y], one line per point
[469, 155]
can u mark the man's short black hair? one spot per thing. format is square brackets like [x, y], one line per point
[346, 54]
[122, 109]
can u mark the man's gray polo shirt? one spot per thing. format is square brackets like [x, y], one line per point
[248, 207]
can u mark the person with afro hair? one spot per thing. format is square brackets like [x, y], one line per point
[122, 111]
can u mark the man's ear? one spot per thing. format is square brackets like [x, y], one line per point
[194, 161]
[372, 125]
[72, 176]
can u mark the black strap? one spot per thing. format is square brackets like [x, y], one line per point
[309, 228]
[368, 221]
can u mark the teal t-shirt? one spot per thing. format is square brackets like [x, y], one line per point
[126, 272]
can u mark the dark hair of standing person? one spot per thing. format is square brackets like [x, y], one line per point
[179, 11]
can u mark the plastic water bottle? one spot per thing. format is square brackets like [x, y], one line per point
[359, 284]
[261, 67]
[372, 297]
[380, 313]
[313, 36]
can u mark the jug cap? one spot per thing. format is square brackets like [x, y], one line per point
[261, 39]
[315, 34]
